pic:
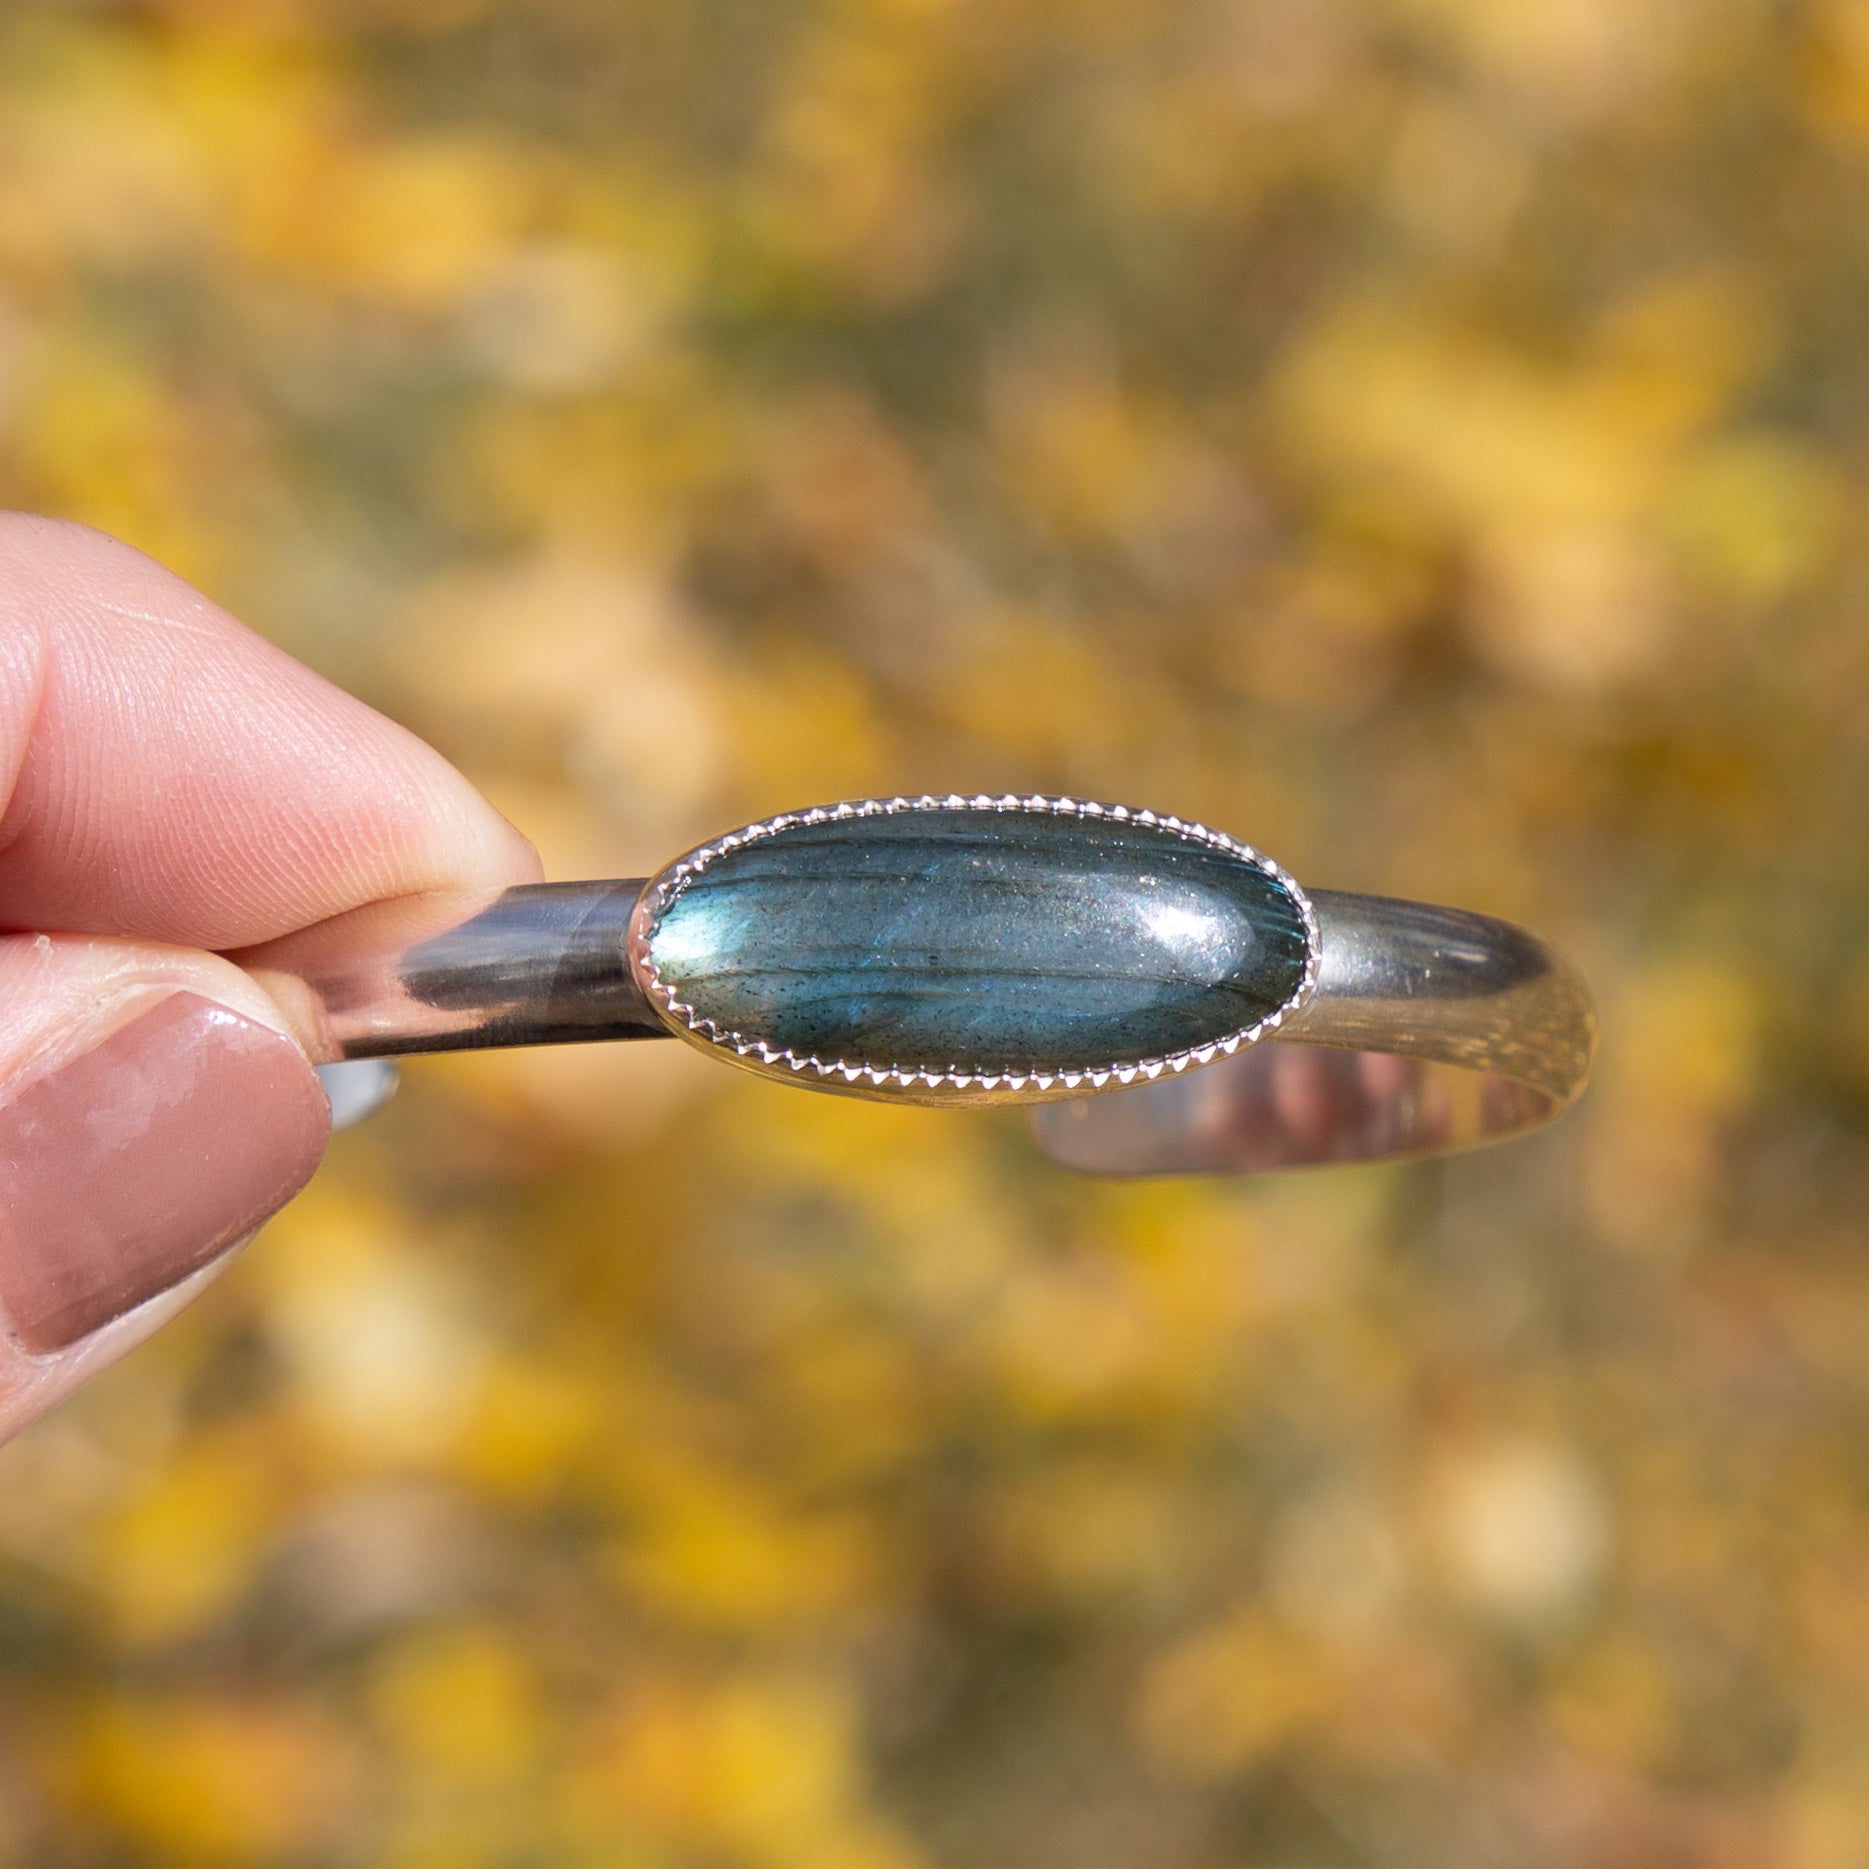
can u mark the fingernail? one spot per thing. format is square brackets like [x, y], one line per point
[136, 1162]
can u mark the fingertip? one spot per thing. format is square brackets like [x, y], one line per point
[45, 556]
[170, 774]
[510, 858]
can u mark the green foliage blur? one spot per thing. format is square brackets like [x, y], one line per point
[1425, 437]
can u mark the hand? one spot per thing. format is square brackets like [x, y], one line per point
[174, 788]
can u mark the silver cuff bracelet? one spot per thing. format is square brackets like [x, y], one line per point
[1172, 1000]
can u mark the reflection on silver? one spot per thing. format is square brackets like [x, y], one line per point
[542, 965]
[1431, 1029]
[356, 1088]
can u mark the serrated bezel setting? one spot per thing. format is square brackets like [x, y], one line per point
[893, 1081]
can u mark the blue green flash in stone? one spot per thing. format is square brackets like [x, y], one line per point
[983, 941]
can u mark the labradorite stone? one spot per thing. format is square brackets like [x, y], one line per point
[988, 940]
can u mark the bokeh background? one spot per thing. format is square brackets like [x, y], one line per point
[1426, 437]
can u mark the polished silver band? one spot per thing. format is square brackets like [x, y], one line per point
[1428, 1029]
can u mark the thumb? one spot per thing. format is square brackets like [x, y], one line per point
[153, 1111]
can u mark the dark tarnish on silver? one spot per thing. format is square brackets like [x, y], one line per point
[954, 949]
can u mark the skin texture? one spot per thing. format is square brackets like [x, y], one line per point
[177, 789]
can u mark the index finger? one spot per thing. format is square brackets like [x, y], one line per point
[167, 774]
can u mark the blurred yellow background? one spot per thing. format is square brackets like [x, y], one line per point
[1425, 437]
